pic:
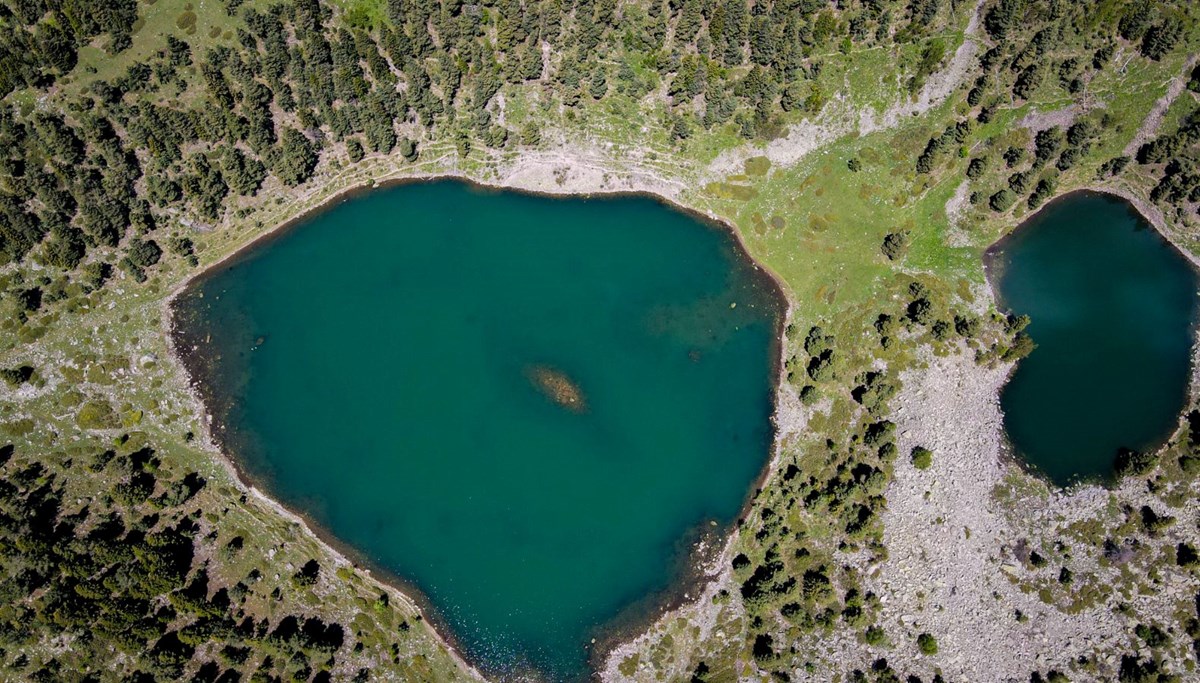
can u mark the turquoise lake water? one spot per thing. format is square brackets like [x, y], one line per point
[375, 365]
[1113, 307]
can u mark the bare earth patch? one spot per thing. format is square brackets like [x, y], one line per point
[955, 207]
[1036, 121]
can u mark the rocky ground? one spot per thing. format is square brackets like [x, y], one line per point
[949, 541]
[960, 534]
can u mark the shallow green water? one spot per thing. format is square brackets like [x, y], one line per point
[373, 367]
[1112, 308]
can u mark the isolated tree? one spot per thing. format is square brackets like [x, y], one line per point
[895, 244]
[922, 458]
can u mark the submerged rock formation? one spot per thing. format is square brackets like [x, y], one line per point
[558, 387]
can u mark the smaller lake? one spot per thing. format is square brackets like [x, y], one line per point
[525, 407]
[1113, 307]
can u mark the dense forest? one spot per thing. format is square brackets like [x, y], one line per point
[104, 179]
[115, 577]
[101, 180]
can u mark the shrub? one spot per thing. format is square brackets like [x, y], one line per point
[820, 367]
[186, 21]
[308, 574]
[408, 149]
[15, 377]
[927, 644]
[1186, 556]
[976, 168]
[878, 432]
[354, 150]
[920, 311]
[808, 394]
[1153, 636]
[96, 414]
[922, 458]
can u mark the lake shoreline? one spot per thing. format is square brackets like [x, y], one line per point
[994, 267]
[217, 443]
[1148, 212]
[694, 568]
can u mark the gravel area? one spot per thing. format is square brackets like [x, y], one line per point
[955, 566]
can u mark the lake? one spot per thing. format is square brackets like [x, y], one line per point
[526, 408]
[1113, 307]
